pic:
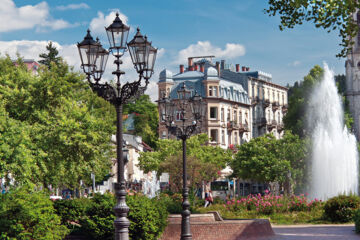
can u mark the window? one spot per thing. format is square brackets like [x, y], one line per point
[279, 118]
[278, 97]
[223, 137]
[236, 138]
[162, 94]
[222, 115]
[213, 112]
[283, 100]
[258, 92]
[212, 91]
[234, 117]
[179, 116]
[164, 134]
[213, 135]
[228, 115]
[273, 93]
[240, 117]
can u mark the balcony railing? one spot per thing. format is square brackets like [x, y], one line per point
[244, 128]
[232, 125]
[275, 105]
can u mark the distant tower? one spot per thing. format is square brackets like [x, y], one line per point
[352, 66]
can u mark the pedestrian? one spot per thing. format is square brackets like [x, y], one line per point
[208, 198]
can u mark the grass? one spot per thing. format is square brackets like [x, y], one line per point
[314, 216]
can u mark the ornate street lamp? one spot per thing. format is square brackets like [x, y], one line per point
[182, 117]
[93, 62]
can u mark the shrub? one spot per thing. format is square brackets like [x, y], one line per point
[29, 215]
[147, 216]
[71, 211]
[172, 203]
[341, 208]
[357, 220]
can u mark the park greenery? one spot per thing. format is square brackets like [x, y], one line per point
[330, 15]
[54, 130]
[267, 159]
[204, 161]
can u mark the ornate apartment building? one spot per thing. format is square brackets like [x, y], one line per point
[239, 105]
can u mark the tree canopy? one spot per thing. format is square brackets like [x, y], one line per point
[54, 129]
[295, 118]
[266, 159]
[51, 56]
[146, 119]
[204, 161]
[329, 15]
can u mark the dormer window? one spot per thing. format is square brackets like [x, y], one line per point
[212, 91]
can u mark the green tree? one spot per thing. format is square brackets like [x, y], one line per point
[299, 94]
[51, 56]
[341, 85]
[204, 161]
[329, 15]
[66, 127]
[266, 159]
[146, 119]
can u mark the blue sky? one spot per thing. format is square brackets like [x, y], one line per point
[237, 31]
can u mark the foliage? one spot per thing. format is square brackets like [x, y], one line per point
[278, 209]
[329, 15]
[203, 161]
[341, 208]
[56, 130]
[146, 119]
[299, 97]
[71, 211]
[266, 159]
[269, 204]
[51, 57]
[29, 215]
[357, 220]
[147, 216]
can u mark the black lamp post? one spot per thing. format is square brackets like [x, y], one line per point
[93, 62]
[182, 117]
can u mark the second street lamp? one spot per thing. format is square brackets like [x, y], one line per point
[182, 117]
[93, 62]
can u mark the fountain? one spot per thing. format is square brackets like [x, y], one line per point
[334, 165]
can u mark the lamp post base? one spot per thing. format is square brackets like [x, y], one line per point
[121, 210]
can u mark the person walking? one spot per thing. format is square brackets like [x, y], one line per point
[208, 198]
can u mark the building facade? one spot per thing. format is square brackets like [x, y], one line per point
[239, 105]
[352, 66]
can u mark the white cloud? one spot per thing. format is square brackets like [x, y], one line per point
[232, 50]
[73, 7]
[295, 63]
[27, 17]
[98, 24]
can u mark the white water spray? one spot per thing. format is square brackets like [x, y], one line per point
[334, 168]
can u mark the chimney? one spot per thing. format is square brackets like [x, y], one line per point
[218, 68]
[222, 64]
[196, 67]
[247, 69]
[202, 68]
[190, 62]
[237, 67]
[243, 68]
[181, 68]
[191, 68]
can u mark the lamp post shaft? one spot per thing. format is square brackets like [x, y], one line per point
[121, 210]
[185, 220]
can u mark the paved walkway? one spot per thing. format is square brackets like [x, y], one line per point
[316, 232]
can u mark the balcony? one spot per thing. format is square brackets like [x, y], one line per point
[232, 125]
[266, 103]
[271, 125]
[284, 108]
[275, 106]
[280, 127]
[244, 128]
[255, 100]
